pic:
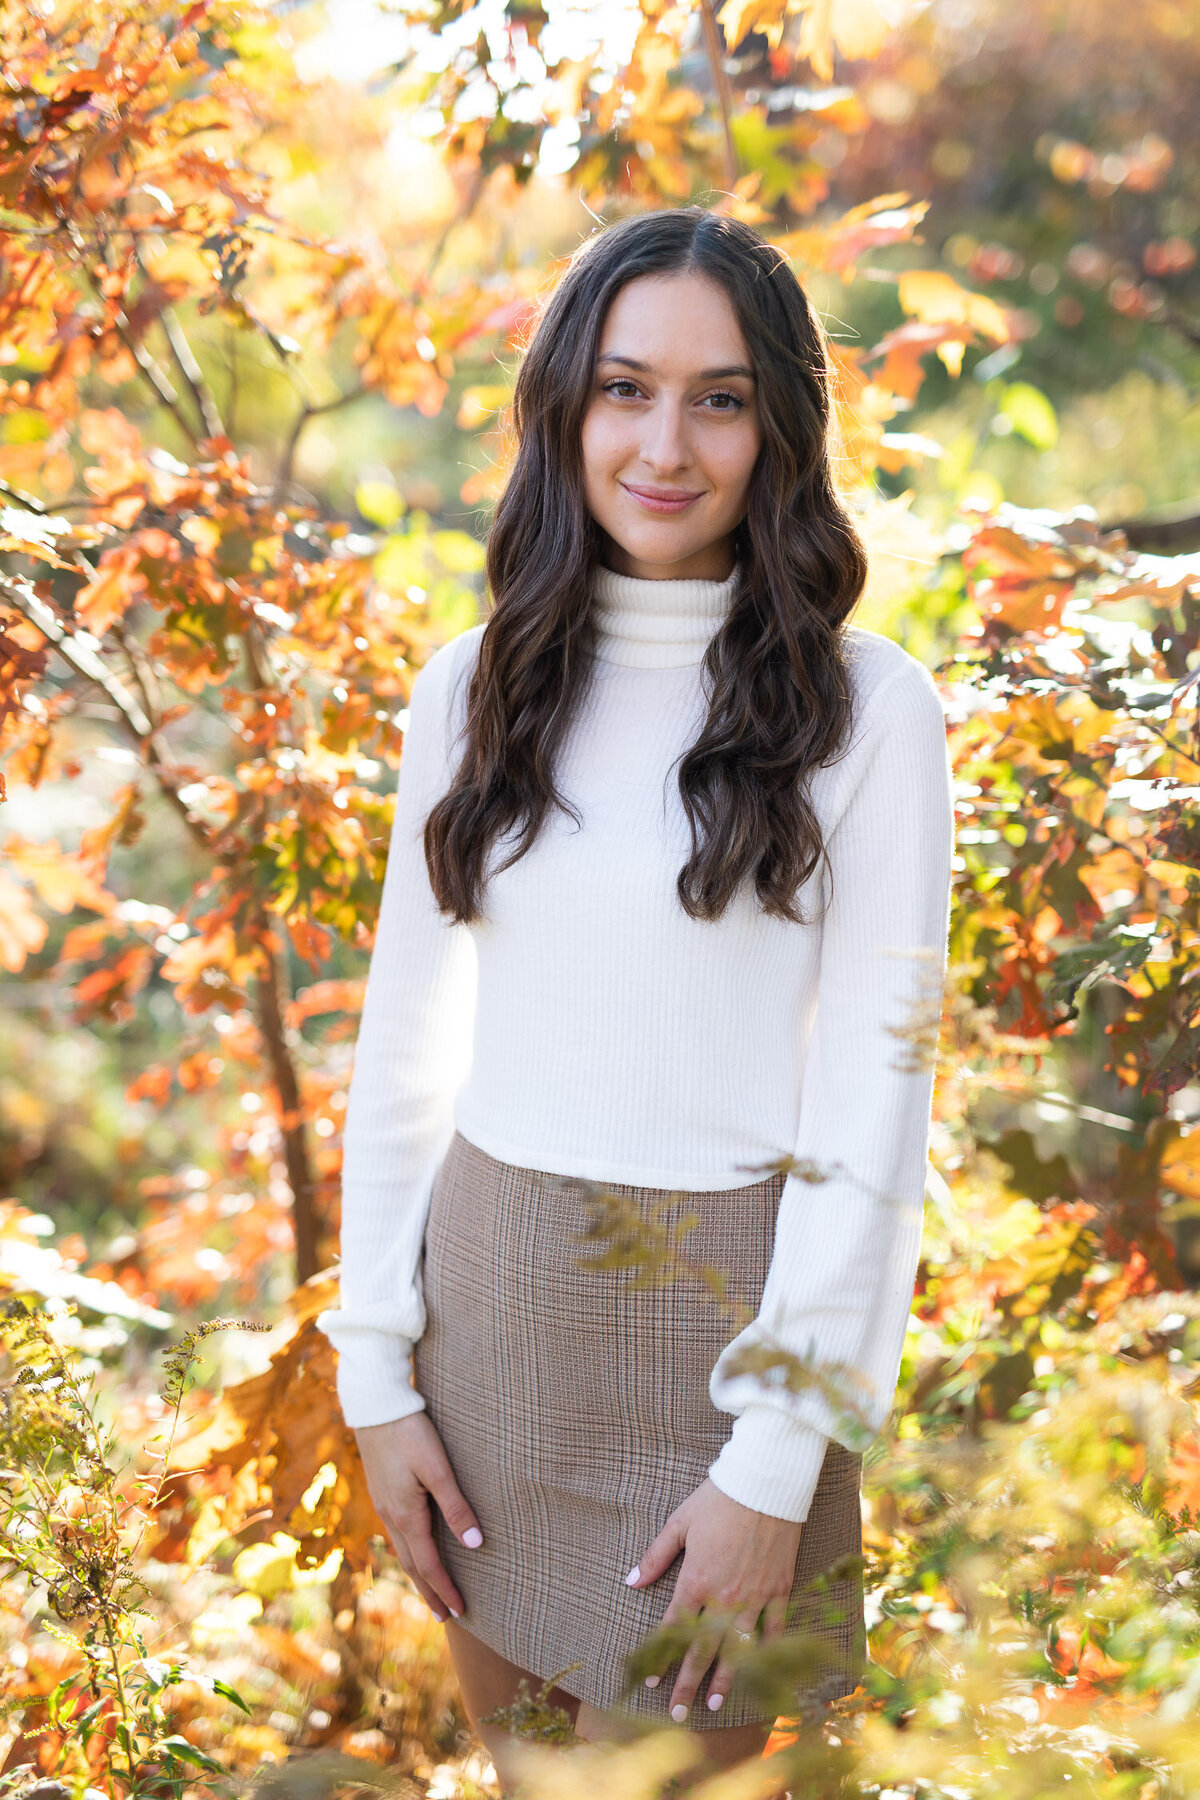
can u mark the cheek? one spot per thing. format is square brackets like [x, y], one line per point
[603, 445]
[731, 461]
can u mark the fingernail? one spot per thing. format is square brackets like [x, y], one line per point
[635, 1574]
[455, 1615]
[473, 1538]
[653, 1680]
[715, 1702]
[679, 1713]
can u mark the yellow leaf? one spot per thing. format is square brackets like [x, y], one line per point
[1180, 1166]
[270, 1569]
[951, 353]
[856, 27]
[741, 16]
[936, 299]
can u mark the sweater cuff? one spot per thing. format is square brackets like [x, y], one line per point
[771, 1463]
[374, 1375]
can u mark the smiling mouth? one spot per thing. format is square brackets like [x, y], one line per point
[662, 500]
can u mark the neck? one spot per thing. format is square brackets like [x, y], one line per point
[658, 624]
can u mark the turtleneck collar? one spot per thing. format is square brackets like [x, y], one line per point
[657, 624]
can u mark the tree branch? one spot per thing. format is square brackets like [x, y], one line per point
[192, 374]
[461, 217]
[84, 661]
[716, 62]
[79, 657]
[283, 479]
[25, 500]
[1168, 534]
[158, 380]
[272, 996]
[271, 1007]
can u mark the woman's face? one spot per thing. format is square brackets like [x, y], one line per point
[672, 431]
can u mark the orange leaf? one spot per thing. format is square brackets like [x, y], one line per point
[310, 941]
[282, 1427]
[117, 982]
[61, 879]
[108, 433]
[1183, 1476]
[902, 349]
[326, 997]
[1088, 1662]
[1025, 584]
[152, 1084]
[21, 930]
[888, 219]
[105, 599]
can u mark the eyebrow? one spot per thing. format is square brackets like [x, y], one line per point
[631, 362]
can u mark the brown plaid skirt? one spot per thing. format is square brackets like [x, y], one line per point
[575, 1412]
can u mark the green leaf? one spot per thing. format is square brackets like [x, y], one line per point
[380, 502]
[179, 1748]
[1031, 414]
[223, 1687]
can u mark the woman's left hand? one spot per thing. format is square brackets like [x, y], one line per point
[735, 1561]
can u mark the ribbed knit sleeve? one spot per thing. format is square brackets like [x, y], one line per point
[839, 1288]
[412, 1052]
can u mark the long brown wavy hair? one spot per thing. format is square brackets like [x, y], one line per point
[780, 695]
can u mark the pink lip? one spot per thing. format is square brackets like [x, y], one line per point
[662, 500]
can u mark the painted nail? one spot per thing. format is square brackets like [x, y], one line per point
[455, 1615]
[653, 1680]
[473, 1538]
[715, 1702]
[635, 1574]
[679, 1713]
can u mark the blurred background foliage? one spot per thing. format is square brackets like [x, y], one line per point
[265, 273]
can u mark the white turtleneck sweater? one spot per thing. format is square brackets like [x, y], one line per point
[587, 1026]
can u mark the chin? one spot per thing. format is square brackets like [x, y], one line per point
[659, 546]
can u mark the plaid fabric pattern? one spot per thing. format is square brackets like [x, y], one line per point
[576, 1416]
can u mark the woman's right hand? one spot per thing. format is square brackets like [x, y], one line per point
[406, 1466]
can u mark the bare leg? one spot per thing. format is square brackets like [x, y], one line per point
[488, 1680]
[720, 1747]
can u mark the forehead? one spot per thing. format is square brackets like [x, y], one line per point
[674, 323]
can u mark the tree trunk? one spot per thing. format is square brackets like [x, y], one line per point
[272, 998]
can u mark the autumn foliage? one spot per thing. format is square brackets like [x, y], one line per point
[179, 318]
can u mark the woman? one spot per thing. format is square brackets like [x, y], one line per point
[668, 885]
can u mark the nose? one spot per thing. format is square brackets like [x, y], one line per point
[665, 445]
